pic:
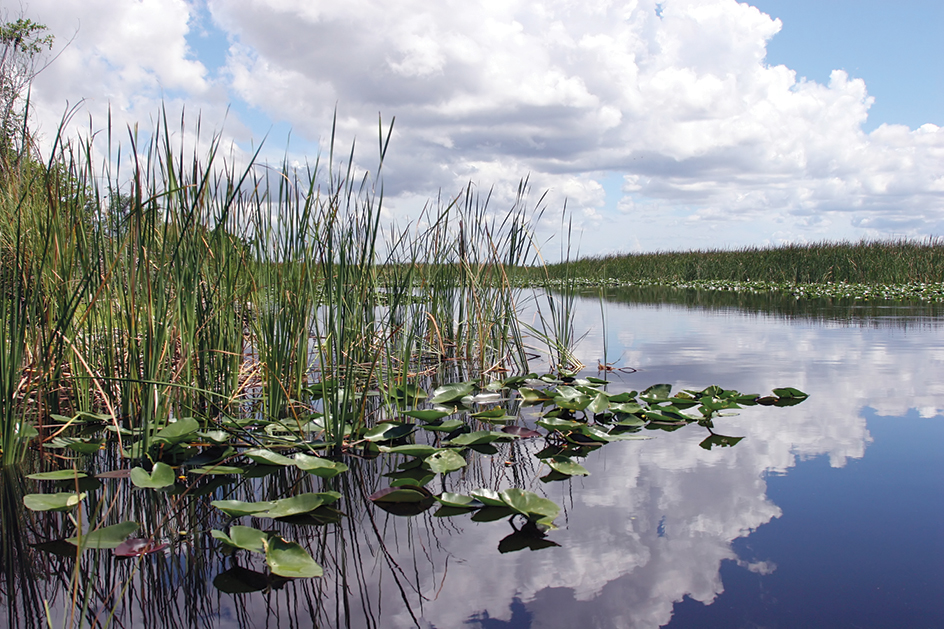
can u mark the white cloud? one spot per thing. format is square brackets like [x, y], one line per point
[714, 143]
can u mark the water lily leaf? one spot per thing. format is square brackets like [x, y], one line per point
[599, 404]
[564, 465]
[215, 436]
[488, 497]
[238, 508]
[452, 392]
[138, 547]
[492, 514]
[632, 421]
[533, 396]
[623, 398]
[238, 580]
[427, 415]
[555, 423]
[520, 431]
[388, 431]
[529, 504]
[418, 475]
[479, 437]
[578, 403]
[244, 537]
[217, 470]
[319, 466]
[411, 449]
[106, 537]
[492, 413]
[61, 501]
[58, 475]
[267, 457]
[409, 394]
[720, 441]
[302, 503]
[458, 501]
[177, 431]
[288, 559]
[790, 392]
[659, 391]
[161, 476]
[629, 408]
[84, 446]
[447, 426]
[445, 461]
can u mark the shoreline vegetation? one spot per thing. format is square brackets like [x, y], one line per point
[892, 270]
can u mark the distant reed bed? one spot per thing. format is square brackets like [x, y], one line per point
[893, 261]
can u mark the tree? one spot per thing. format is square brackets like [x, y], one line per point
[22, 44]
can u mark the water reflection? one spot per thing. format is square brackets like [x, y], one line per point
[652, 525]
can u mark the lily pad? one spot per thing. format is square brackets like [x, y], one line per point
[238, 508]
[288, 559]
[161, 476]
[319, 466]
[267, 457]
[389, 431]
[459, 501]
[447, 426]
[427, 415]
[105, 537]
[244, 537]
[480, 437]
[452, 392]
[218, 470]
[411, 449]
[445, 461]
[564, 465]
[58, 475]
[178, 431]
[531, 505]
[61, 501]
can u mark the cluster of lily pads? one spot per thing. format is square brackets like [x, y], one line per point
[913, 291]
[433, 434]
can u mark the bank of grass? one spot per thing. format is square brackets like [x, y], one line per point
[868, 269]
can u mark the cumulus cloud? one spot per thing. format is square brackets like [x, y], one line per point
[716, 147]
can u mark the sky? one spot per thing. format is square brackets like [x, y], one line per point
[681, 124]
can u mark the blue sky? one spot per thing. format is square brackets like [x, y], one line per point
[670, 125]
[896, 47]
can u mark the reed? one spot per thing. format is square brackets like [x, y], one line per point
[895, 261]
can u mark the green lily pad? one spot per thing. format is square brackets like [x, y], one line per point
[58, 475]
[238, 508]
[288, 559]
[267, 457]
[244, 537]
[426, 415]
[447, 426]
[408, 494]
[302, 503]
[411, 449]
[218, 470]
[445, 461]
[452, 392]
[533, 396]
[319, 466]
[488, 497]
[388, 431]
[61, 501]
[161, 476]
[458, 501]
[177, 431]
[564, 465]
[531, 505]
[480, 437]
[106, 537]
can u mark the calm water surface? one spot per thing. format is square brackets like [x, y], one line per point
[826, 514]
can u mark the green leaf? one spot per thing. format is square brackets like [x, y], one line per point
[599, 404]
[493, 414]
[178, 431]
[458, 501]
[318, 466]
[488, 497]
[427, 415]
[288, 559]
[529, 504]
[58, 475]
[411, 449]
[161, 476]
[408, 394]
[217, 470]
[302, 503]
[388, 431]
[452, 392]
[554, 423]
[238, 508]
[445, 461]
[790, 393]
[267, 457]
[480, 437]
[408, 494]
[106, 537]
[244, 537]
[533, 396]
[564, 465]
[61, 501]
[447, 426]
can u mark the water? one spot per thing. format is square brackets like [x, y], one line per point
[826, 514]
